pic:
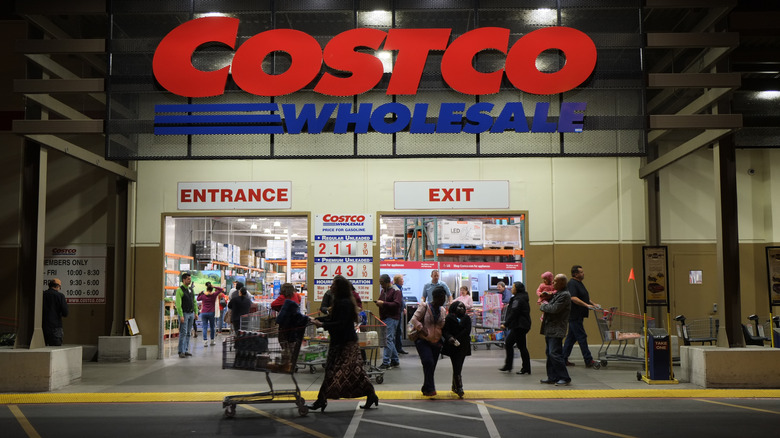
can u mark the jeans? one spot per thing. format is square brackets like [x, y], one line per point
[185, 331]
[577, 333]
[399, 346]
[556, 365]
[517, 336]
[429, 356]
[391, 354]
[207, 319]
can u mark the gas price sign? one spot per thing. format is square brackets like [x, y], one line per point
[343, 246]
[82, 270]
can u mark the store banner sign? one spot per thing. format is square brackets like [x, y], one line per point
[360, 72]
[81, 269]
[443, 195]
[266, 195]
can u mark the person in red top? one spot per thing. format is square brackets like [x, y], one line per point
[277, 304]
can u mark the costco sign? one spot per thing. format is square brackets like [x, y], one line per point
[361, 72]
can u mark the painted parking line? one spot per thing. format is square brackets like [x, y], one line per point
[416, 429]
[550, 420]
[738, 406]
[432, 412]
[286, 422]
[488, 420]
[24, 422]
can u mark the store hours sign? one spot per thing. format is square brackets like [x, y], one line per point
[82, 270]
[343, 246]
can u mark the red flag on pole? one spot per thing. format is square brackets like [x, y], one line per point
[631, 276]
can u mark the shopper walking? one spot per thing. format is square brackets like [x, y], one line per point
[209, 302]
[398, 281]
[55, 307]
[187, 309]
[518, 323]
[581, 305]
[556, 315]
[344, 373]
[428, 321]
[389, 303]
[456, 336]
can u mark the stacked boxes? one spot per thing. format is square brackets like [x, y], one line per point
[247, 258]
[206, 249]
[502, 235]
[458, 233]
[275, 250]
[299, 250]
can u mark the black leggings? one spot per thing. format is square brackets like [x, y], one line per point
[517, 336]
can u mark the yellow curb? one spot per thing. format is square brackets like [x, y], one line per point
[167, 397]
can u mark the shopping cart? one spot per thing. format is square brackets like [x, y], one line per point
[697, 330]
[617, 329]
[268, 350]
[314, 352]
[372, 339]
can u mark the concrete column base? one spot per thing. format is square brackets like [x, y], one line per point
[718, 367]
[40, 369]
[118, 348]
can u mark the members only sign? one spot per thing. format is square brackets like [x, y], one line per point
[442, 195]
[269, 195]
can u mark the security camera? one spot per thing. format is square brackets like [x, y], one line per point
[751, 171]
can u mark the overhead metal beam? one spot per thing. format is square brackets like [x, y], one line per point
[678, 4]
[695, 121]
[61, 46]
[682, 150]
[698, 105]
[56, 106]
[68, 148]
[694, 80]
[28, 86]
[58, 126]
[688, 40]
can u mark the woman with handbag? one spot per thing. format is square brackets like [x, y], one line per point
[457, 342]
[426, 325]
[344, 373]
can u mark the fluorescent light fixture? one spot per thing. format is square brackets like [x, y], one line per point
[386, 57]
[253, 226]
[376, 18]
[768, 94]
[267, 231]
[277, 224]
[240, 219]
[543, 16]
[382, 226]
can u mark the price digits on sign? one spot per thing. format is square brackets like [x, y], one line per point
[340, 249]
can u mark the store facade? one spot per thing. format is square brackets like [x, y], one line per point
[335, 103]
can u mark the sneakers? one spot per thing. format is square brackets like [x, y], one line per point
[206, 343]
[569, 364]
[213, 342]
[395, 364]
[385, 367]
[563, 382]
[181, 355]
[188, 354]
[593, 364]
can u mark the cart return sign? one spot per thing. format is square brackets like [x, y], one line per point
[174, 71]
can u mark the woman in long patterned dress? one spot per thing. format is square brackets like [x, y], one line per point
[344, 373]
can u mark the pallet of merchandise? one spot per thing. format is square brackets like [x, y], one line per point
[501, 236]
[452, 233]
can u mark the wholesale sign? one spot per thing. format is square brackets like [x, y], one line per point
[356, 72]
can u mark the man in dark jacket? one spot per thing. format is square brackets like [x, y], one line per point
[239, 306]
[556, 318]
[518, 323]
[580, 306]
[55, 307]
[389, 302]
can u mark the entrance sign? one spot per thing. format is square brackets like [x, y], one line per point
[435, 195]
[271, 195]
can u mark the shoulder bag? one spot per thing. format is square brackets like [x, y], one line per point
[411, 332]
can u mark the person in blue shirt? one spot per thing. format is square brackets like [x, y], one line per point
[427, 293]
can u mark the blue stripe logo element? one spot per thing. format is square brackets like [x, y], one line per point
[223, 119]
